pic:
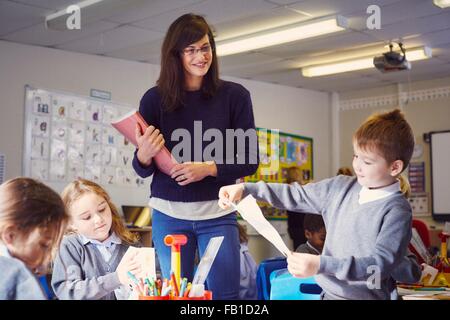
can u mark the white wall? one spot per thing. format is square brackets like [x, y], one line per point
[65, 71]
[297, 111]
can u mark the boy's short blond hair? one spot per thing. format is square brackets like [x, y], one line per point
[388, 134]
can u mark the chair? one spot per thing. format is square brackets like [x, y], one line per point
[285, 286]
[265, 268]
[43, 280]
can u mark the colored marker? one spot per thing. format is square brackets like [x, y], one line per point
[186, 293]
[133, 277]
[158, 286]
[136, 281]
[175, 285]
[431, 289]
[183, 286]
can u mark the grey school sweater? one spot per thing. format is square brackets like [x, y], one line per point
[17, 282]
[366, 244]
[81, 273]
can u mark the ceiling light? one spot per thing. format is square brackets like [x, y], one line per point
[285, 34]
[442, 3]
[359, 63]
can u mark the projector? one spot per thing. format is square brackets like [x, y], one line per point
[392, 61]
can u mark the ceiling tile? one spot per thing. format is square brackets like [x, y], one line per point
[410, 27]
[393, 12]
[272, 18]
[49, 4]
[252, 69]
[331, 7]
[15, 16]
[286, 2]
[40, 35]
[215, 12]
[316, 45]
[149, 51]
[150, 9]
[112, 40]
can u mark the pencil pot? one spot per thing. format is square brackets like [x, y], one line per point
[206, 296]
[154, 298]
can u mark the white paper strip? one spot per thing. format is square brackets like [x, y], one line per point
[250, 211]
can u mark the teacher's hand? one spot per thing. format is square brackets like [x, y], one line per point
[189, 172]
[149, 144]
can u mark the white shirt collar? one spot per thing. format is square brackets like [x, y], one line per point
[312, 247]
[112, 239]
[368, 195]
[4, 251]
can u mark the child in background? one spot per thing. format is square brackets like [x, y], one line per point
[405, 187]
[315, 233]
[90, 265]
[367, 218]
[32, 222]
[247, 290]
[346, 171]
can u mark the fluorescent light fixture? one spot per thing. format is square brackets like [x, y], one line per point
[359, 63]
[285, 34]
[90, 11]
[442, 3]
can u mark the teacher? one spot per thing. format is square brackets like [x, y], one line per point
[193, 113]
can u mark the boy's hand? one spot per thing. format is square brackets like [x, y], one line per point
[230, 193]
[303, 265]
[128, 263]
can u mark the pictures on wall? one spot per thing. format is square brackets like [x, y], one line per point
[69, 137]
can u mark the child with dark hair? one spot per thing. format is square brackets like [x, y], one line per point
[315, 234]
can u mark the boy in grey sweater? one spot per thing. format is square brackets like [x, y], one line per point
[368, 220]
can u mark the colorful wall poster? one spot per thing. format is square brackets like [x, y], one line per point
[279, 151]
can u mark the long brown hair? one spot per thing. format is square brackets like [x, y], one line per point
[74, 190]
[28, 205]
[185, 30]
[405, 187]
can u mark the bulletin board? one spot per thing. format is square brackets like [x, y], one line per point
[69, 136]
[279, 151]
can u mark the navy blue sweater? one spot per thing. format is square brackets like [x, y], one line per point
[230, 108]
